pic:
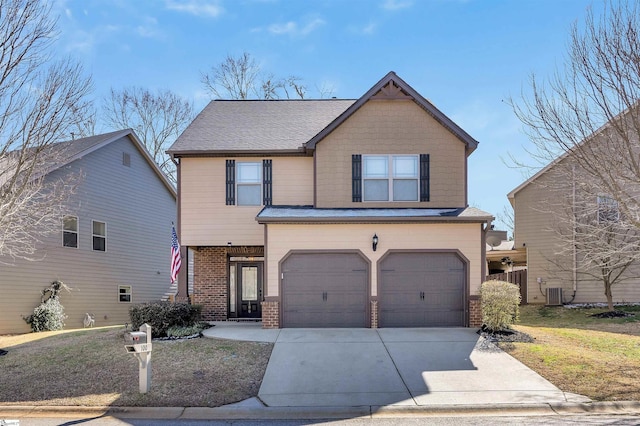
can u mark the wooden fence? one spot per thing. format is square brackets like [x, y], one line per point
[515, 277]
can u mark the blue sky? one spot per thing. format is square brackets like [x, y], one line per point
[466, 56]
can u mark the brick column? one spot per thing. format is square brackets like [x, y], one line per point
[271, 313]
[374, 313]
[475, 311]
[210, 282]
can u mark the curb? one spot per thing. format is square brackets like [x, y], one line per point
[236, 412]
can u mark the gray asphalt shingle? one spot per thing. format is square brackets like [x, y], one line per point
[246, 125]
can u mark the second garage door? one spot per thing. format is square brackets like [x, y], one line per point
[325, 289]
[422, 289]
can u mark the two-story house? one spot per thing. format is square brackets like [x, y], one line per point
[331, 213]
[112, 246]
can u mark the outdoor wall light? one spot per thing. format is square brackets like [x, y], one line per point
[229, 244]
[375, 242]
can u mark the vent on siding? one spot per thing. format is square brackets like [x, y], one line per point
[554, 296]
[126, 159]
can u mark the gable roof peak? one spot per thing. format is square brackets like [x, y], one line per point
[392, 87]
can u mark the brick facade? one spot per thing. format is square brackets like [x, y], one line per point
[271, 314]
[210, 288]
[374, 314]
[475, 312]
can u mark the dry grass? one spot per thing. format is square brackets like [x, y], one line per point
[91, 367]
[599, 358]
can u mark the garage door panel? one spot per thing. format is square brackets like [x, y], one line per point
[419, 289]
[325, 290]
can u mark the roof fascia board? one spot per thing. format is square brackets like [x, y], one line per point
[372, 219]
[239, 153]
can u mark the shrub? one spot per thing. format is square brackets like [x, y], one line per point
[500, 302]
[163, 315]
[47, 316]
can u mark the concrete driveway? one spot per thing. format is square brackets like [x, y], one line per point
[391, 366]
[411, 367]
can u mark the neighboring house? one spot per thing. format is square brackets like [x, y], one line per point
[113, 246]
[331, 213]
[555, 275]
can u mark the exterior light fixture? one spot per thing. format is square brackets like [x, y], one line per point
[375, 242]
[229, 244]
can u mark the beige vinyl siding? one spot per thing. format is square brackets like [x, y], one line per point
[391, 127]
[208, 221]
[284, 237]
[533, 218]
[138, 210]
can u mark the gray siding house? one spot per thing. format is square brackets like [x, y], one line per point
[113, 245]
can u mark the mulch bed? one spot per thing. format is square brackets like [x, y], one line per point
[510, 336]
[613, 314]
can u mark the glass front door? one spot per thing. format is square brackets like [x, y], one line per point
[249, 290]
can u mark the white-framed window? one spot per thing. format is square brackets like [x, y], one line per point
[124, 293]
[608, 210]
[99, 235]
[390, 177]
[70, 231]
[249, 184]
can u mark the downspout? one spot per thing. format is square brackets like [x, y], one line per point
[574, 233]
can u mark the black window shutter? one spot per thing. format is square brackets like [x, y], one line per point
[424, 177]
[231, 182]
[356, 178]
[266, 182]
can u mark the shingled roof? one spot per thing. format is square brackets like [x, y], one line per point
[228, 126]
[289, 126]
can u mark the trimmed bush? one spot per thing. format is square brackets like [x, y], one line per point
[163, 315]
[47, 316]
[500, 302]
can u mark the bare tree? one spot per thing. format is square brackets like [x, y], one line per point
[587, 115]
[235, 78]
[242, 78]
[40, 101]
[157, 118]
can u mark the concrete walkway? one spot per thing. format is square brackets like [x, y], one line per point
[419, 367]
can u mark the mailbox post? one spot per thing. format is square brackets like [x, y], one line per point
[139, 344]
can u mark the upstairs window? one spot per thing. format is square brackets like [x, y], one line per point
[249, 184]
[70, 231]
[608, 210]
[99, 236]
[390, 177]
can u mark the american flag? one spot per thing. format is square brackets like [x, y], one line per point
[176, 261]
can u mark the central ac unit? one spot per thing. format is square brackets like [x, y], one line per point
[554, 296]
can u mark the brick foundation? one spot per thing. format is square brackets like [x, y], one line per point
[210, 270]
[271, 314]
[475, 312]
[374, 314]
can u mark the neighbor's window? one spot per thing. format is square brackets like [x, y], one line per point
[249, 184]
[390, 177]
[608, 210]
[99, 236]
[70, 231]
[124, 293]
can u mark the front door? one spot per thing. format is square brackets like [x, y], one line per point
[249, 290]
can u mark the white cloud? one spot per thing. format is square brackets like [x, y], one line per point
[210, 8]
[149, 28]
[396, 4]
[293, 29]
[368, 29]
